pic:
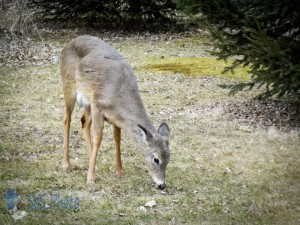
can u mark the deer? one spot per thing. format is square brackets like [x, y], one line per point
[96, 77]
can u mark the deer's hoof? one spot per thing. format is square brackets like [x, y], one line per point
[120, 172]
[90, 179]
[66, 167]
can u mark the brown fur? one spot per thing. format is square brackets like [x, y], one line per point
[106, 86]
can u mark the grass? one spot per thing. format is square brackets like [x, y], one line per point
[197, 67]
[218, 173]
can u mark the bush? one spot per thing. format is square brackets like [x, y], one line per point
[16, 18]
[128, 13]
[265, 35]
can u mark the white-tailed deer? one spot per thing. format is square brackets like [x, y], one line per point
[96, 76]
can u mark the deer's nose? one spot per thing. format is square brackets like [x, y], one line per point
[162, 186]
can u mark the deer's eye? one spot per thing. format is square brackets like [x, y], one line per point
[156, 160]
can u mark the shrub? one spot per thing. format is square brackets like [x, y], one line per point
[129, 13]
[261, 34]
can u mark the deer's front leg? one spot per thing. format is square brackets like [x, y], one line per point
[97, 126]
[67, 121]
[117, 137]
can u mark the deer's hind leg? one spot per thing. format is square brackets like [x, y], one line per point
[86, 122]
[70, 99]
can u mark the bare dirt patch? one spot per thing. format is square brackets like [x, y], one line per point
[268, 113]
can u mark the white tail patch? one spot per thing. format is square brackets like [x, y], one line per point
[82, 100]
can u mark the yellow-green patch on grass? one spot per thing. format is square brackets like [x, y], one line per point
[197, 67]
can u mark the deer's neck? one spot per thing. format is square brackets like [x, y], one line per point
[132, 129]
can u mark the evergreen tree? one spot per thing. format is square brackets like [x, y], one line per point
[265, 35]
[118, 13]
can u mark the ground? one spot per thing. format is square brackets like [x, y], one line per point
[230, 163]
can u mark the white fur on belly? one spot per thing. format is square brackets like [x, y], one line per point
[82, 100]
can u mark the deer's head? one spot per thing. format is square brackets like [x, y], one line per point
[157, 153]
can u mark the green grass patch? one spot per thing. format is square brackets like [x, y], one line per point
[197, 67]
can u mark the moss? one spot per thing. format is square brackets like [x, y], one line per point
[197, 67]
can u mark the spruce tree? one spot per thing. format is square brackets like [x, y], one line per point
[265, 35]
[118, 13]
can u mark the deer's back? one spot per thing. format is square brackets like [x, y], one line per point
[84, 45]
[80, 47]
[101, 74]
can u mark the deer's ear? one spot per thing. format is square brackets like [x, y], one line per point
[164, 130]
[145, 134]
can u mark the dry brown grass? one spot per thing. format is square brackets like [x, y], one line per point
[220, 173]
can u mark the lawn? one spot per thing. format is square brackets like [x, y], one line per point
[224, 169]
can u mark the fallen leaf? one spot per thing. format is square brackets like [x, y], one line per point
[150, 204]
[228, 170]
[19, 214]
[246, 128]
[142, 208]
